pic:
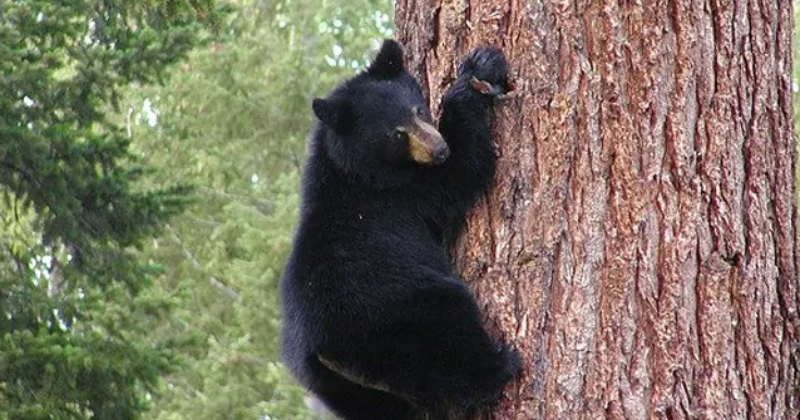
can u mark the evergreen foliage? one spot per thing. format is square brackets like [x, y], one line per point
[149, 192]
[74, 294]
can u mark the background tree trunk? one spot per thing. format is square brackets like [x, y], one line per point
[640, 244]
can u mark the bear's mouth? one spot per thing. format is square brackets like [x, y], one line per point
[425, 145]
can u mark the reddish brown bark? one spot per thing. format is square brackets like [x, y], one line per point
[639, 246]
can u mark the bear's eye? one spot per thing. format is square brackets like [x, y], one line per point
[419, 111]
[400, 135]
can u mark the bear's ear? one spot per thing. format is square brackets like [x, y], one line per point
[389, 61]
[333, 113]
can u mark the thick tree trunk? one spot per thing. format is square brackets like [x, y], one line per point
[639, 246]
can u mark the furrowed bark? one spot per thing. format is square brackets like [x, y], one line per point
[639, 246]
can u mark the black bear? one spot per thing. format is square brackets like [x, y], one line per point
[377, 324]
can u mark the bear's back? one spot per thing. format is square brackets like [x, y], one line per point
[351, 240]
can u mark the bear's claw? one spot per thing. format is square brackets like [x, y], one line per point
[486, 88]
[486, 69]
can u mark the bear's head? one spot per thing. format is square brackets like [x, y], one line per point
[377, 127]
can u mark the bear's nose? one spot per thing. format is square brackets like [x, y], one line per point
[441, 155]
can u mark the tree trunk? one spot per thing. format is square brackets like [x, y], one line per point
[639, 246]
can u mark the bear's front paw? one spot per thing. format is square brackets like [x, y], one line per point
[486, 69]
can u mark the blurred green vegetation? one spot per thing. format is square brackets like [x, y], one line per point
[232, 121]
[149, 173]
[76, 296]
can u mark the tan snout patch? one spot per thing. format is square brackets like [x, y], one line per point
[425, 143]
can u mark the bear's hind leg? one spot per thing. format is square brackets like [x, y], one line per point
[350, 401]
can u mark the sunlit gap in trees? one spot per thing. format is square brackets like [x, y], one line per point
[336, 26]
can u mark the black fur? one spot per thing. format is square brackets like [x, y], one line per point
[369, 285]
